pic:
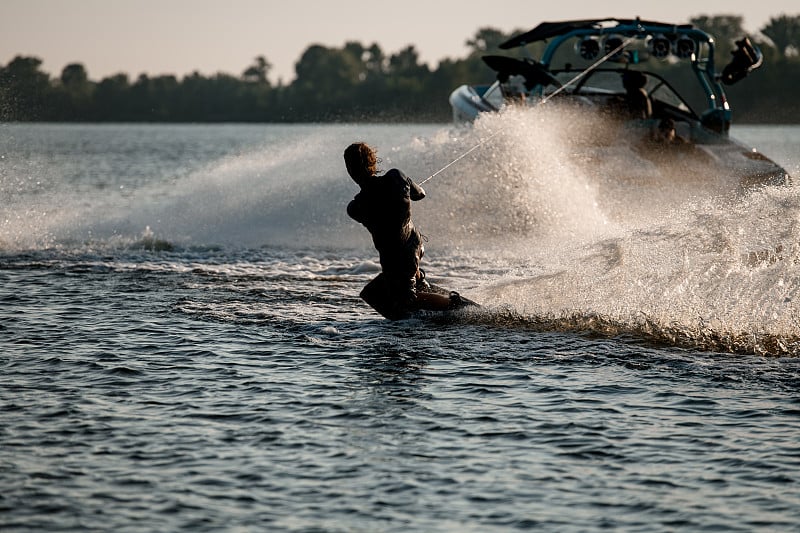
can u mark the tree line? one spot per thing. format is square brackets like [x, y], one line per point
[353, 83]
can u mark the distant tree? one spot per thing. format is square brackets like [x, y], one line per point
[486, 40]
[111, 99]
[375, 61]
[724, 28]
[355, 83]
[784, 32]
[323, 67]
[224, 94]
[326, 82]
[370, 92]
[359, 56]
[140, 98]
[74, 75]
[154, 99]
[472, 69]
[404, 92]
[406, 63]
[163, 95]
[24, 89]
[73, 98]
[258, 71]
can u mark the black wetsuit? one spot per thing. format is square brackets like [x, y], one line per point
[384, 207]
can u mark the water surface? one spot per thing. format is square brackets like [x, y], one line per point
[183, 347]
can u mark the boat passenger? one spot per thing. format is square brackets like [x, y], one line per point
[383, 206]
[514, 90]
[666, 134]
[664, 143]
[637, 102]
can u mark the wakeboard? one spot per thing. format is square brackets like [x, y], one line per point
[379, 295]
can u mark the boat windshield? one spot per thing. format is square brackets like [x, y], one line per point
[671, 79]
[606, 82]
[494, 95]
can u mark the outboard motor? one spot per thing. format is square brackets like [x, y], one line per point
[746, 57]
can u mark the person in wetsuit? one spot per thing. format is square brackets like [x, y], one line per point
[383, 206]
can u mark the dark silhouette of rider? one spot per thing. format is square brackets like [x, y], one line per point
[383, 206]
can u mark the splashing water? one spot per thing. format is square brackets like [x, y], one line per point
[555, 234]
[687, 259]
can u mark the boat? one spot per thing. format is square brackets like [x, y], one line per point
[659, 82]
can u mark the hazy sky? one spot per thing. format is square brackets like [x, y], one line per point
[180, 36]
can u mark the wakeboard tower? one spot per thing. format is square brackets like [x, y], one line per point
[379, 295]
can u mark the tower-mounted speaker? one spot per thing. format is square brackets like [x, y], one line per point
[614, 42]
[660, 46]
[684, 48]
[588, 48]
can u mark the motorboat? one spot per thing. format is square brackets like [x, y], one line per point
[654, 82]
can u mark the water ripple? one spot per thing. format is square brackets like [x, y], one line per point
[173, 397]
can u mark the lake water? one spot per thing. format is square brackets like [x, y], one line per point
[183, 347]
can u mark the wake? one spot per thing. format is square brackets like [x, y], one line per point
[693, 261]
[537, 225]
